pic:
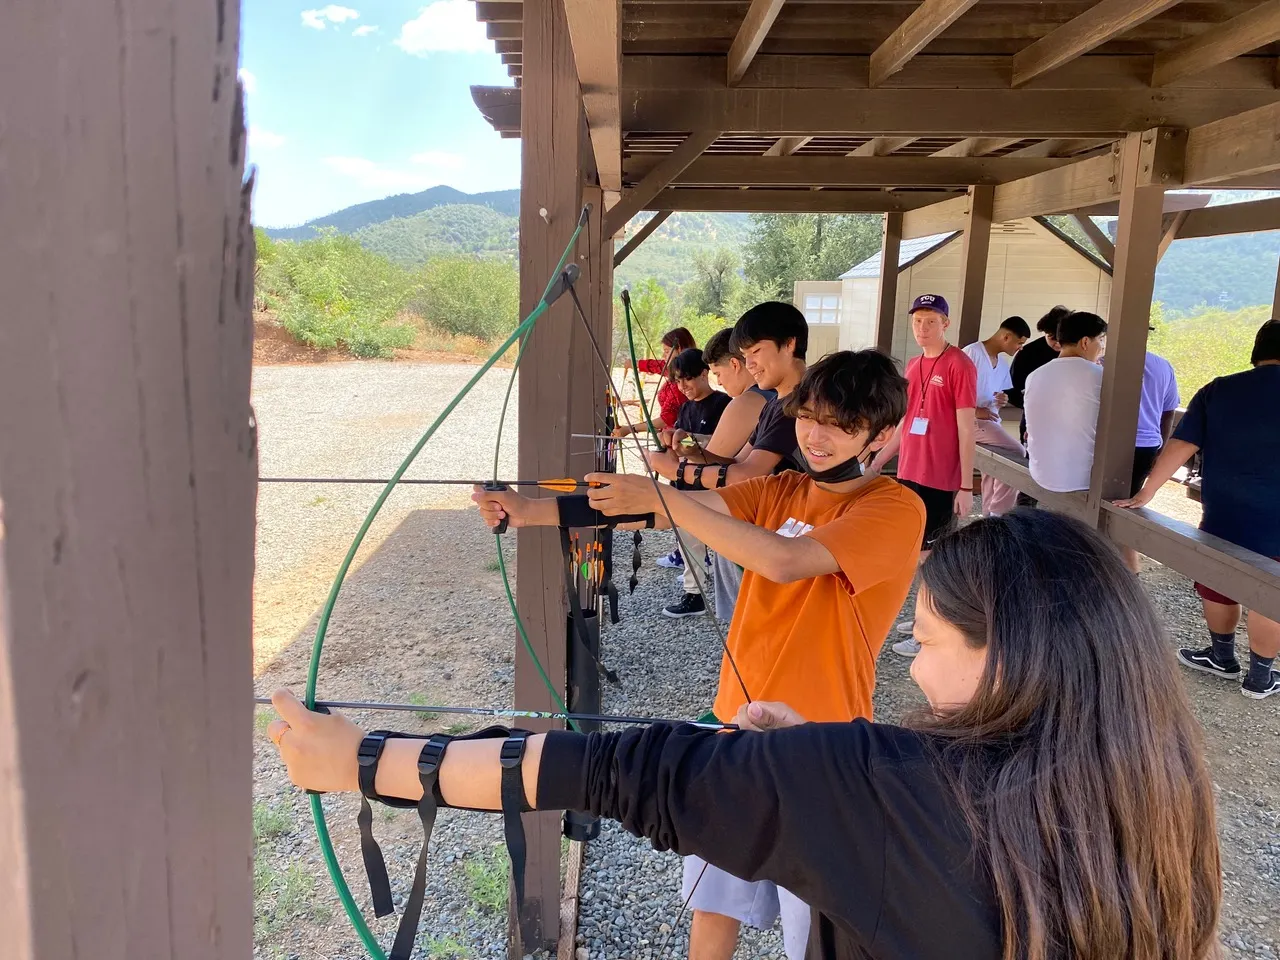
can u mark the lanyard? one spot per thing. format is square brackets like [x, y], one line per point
[928, 380]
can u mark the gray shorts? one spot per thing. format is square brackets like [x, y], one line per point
[728, 580]
[757, 903]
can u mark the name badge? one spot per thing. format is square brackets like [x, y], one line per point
[920, 426]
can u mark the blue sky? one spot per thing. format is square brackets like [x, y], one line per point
[352, 102]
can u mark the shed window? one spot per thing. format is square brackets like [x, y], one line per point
[822, 308]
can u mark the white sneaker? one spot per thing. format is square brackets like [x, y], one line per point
[671, 561]
[907, 648]
[906, 627]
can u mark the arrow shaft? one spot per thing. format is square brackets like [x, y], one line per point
[460, 483]
[501, 712]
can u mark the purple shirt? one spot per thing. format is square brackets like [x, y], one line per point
[1159, 396]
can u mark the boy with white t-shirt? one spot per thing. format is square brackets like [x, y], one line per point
[990, 357]
[1061, 403]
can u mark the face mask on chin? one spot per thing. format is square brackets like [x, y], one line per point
[851, 469]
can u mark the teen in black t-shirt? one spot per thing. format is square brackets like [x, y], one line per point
[701, 410]
[1054, 804]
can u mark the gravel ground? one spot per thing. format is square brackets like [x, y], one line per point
[423, 615]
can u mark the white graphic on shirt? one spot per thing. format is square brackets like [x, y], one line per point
[937, 380]
[794, 528]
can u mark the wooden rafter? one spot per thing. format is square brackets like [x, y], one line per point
[1219, 43]
[804, 171]
[1170, 227]
[786, 146]
[652, 224]
[882, 146]
[1229, 218]
[741, 200]
[1091, 29]
[499, 12]
[1058, 147]
[944, 217]
[755, 27]
[1099, 238]
[976, 146]
[655, 181]
[1234, 147]
[594, 31]
[892, 111]
[925, 22]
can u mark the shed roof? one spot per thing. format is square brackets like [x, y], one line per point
[909, 252]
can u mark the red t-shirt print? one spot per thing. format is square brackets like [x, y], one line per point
[936, 388]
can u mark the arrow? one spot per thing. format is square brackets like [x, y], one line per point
[562, 485]
[509, 714]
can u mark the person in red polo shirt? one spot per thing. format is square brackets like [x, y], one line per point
[934, 442]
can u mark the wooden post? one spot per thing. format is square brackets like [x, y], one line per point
[128, 465]
[1137, 249]
[973, 279]
[551, 180]
[887, 302]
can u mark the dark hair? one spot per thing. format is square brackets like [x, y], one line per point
[1017, 326]
[718, 348]
[688, 364]
[1077, 764]
[1077, 325]
[1266, 344]
[856, 389]
[678, 338]
[1049, 322]
[772, 320]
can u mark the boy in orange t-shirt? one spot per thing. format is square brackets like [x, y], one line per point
[828, 555]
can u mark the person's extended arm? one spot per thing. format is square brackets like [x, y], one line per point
[1175, 454]
[736, 423]
[798, 790]
[965, 427]
[706, 516]
[888, 451]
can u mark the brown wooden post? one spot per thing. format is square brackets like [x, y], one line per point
[973, 279]
[887, 302]
[1143, 157]
[551, 180]
[128, 466]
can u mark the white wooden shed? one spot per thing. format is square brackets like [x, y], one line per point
[1031, 267]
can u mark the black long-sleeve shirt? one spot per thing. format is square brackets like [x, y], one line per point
[854, 818]
[1027, 361]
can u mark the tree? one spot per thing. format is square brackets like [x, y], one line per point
[651, 316]
[469, 295]
[786, 247]
[715, 281]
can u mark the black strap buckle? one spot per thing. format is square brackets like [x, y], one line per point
[513, 749]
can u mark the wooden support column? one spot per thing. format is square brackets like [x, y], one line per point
[973, 279]
[887, 303]
[1137, 249]
[551, 179]
[128, 465]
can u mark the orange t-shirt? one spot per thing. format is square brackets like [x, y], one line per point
[813, 643]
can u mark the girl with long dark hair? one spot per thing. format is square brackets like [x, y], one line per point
[1053, 803]
[669, 400]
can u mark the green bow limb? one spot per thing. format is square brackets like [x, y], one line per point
[635, 367]
[524, 329]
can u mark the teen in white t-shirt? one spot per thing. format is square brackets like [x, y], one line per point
[990, 356]
[1061, 404]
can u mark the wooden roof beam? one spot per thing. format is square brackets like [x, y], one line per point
[976, 146]
[489, 12]
[1057, 147]
[786, 146]
[1234, 147]
[1252, 217]
[923, 25]
[1219, 43]
[652, 224]
[882, 146]
[740, 200]
[946, 216]
[1100, 23]
[755, 27]
[656, 180]
[595, 33]
[1106, 246]
[812, 171]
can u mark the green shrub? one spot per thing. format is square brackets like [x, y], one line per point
[1211, 343]
[468, 296]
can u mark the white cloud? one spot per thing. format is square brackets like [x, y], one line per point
[439, 158]
[316, 19]
[445, 26]
[248, 81]
[265, 139]
[363, 31]
[377, 176]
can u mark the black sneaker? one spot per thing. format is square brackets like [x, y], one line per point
[1266, 690]
[690, 605]
[1203, 660]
